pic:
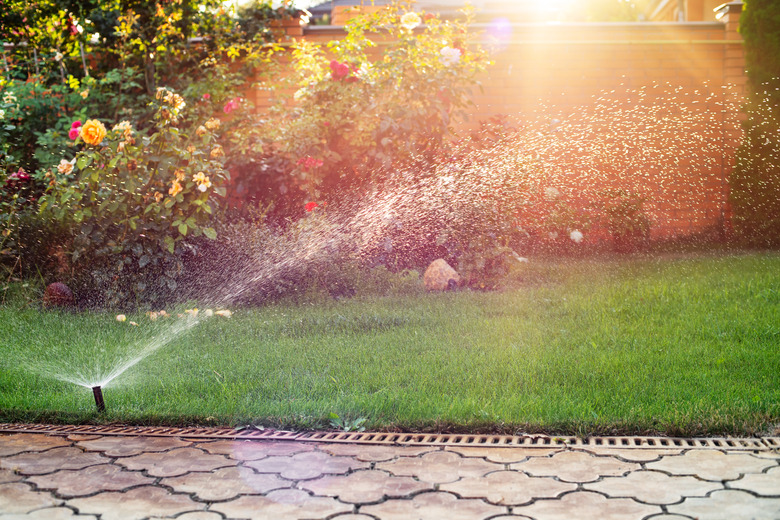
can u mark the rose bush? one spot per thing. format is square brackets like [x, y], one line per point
[131, 199]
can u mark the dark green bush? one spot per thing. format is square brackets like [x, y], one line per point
[755, 182]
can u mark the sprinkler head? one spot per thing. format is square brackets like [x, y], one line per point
[98, 393]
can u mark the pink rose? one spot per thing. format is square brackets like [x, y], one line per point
[74, 133]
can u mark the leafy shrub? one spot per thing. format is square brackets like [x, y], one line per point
[355, 111]
[130, 200]
[755, 182]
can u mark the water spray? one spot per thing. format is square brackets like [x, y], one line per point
[98, 393]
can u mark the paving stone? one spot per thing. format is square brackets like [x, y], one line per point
[503, 455]
[584, 504]
[433, 506]
[21, 442]
[128, 446]
[198, 515]
[307, 465]
[284, 504]
[711, 464]
[6, 475]
[728, 505]
[77, 483]
[768, 454]
[632, 455]
[368, 453]
[176, 462]
[767, 484]
[508, 488]
[136, 504]
[653, 487]
[75, 437]
[254, 450]
[573, 466]
[226, 483]
[363, 487]
[439, 467]
[17, 497]
[49, 513]
[52, 460]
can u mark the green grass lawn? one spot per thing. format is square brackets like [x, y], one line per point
[680, 346]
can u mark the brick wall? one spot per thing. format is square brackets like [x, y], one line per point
[647, 107]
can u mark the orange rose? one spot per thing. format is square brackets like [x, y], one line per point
[93, 132]
[175, 189]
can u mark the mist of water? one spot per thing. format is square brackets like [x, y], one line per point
[663, 143]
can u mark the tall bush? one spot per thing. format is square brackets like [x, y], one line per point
[755, 183]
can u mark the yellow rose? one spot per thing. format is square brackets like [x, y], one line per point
[201, 130]
[93, 132]
[212, 124]
[217, 152]
[175, 189]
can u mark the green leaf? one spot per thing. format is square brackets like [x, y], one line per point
[210, 233]
[170, 243]
[183, 229]
[83, 161]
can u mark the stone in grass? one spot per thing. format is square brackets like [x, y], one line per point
[440, 276]
[57, 294]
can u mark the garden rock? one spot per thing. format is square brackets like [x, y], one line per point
[440, 276]
[57, 294]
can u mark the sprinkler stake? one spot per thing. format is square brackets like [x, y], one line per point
[98, 393]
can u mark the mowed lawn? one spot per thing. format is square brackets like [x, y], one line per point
[685, 345]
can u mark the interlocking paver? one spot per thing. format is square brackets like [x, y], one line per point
[634, 455]
[439, 467]
[653, 487]
[585, 504]
[363, 487]
[136, 504]
[663, 516]
[128, 446]
[18, 497]
[197, 515]
[375, 453]
[226, 483]
[711, 464]
[21, 442]
[433, 506]
[54, 459]
[49, 513]
[508, 488]
[254, 450]
[286, 503]
[573, 466]
[103, 477]
[767, 484]
[503, 455]
[6, 476]
[307, 465]
[728, 505]
[176, 462]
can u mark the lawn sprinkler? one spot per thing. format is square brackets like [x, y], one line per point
[98, 393]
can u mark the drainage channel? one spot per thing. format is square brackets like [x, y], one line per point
[406, 439]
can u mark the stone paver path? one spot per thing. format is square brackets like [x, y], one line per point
[94, 477]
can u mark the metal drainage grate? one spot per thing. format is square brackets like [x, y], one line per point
[405, 439]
